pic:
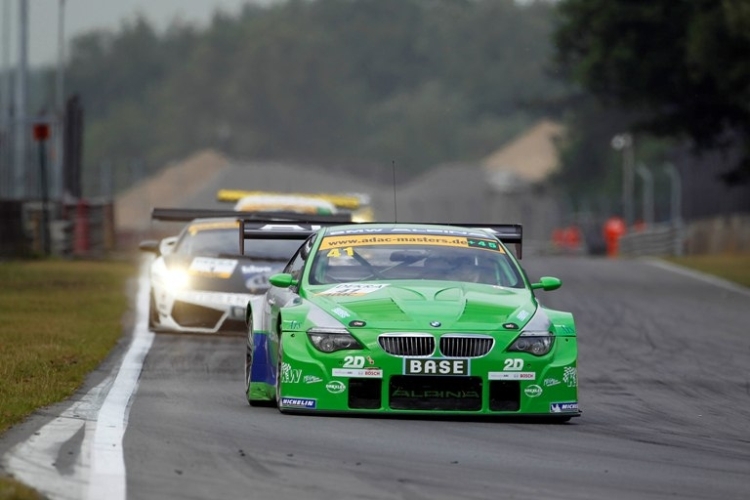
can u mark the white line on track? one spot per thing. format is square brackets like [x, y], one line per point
[98, 470]
[706, 278]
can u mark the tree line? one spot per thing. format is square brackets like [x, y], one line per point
[337, 82]
[354, 84]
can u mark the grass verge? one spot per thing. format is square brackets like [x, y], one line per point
[60, 319]
[732, 267]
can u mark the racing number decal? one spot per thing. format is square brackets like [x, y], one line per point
[335, 252]
[513, 364]
[354, 362]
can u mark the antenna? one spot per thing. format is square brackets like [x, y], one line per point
[395, 204]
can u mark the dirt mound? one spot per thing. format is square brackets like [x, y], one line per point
[168, 188]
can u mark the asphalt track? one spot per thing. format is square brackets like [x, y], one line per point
[664, 385]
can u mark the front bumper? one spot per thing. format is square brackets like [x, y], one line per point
[370, 380]
[197, 311]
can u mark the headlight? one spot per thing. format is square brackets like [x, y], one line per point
[177, 280]
[332, 339]
[536, 343]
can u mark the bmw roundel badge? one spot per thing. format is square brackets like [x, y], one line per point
[435, 323]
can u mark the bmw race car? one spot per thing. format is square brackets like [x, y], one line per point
[199, 283]
[410, 319]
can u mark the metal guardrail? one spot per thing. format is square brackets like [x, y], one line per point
[84, 229]
[660, 239]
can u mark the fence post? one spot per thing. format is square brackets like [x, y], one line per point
[82, 242]
[676, 206]
[648, 194]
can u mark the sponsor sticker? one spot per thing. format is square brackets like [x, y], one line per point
[533, 391]
[522, 315]
[511, 376]
[570, 376]
[215, 268]
[484, 244]
[359, 373]
[252, 269]
[340, 312]
[312, 379]
[290, 375]
[335, 387]
[513, 364]
[400, 392]
[563, 407]
[391, 239]
[217, 298]
[432, 366]
[549, 382]
[299, 403]
[353, 289]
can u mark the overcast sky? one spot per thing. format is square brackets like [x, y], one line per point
[85, 15]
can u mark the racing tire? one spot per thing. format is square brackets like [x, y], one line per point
[248, 364]
[153, 314]
[278, 373]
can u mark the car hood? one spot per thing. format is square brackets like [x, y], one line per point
[421, 305]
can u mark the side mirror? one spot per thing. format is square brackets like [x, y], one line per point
[547, 283]
[167, 245]
[282, 280]
[149, 246]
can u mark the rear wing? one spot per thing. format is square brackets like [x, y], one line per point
[188, 214]
[302, 227]
[275, 229]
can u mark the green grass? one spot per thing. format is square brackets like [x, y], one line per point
[58, 321]
[13, 490]
[733, 267]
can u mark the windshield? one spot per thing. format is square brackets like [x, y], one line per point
[225, 241]
[416, 256]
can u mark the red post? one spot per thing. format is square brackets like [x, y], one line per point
[614, 228]
[82, 243]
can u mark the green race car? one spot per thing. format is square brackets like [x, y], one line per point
[410, 319]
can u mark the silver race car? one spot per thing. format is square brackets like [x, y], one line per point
[199, 283]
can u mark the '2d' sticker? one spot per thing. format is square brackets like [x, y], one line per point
[216, 268]
[353, 289]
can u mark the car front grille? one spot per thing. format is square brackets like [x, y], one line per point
[407, 344]
[465, 346]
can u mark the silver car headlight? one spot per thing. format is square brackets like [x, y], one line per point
[332, 339]
[176, 280]
[536, 343]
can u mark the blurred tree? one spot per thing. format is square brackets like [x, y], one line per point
[683, 64]
[418, 81]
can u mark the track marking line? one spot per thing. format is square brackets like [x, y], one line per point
[698, 275]
[99, 469]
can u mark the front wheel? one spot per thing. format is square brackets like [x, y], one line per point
[249, 363]
[279, 359]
